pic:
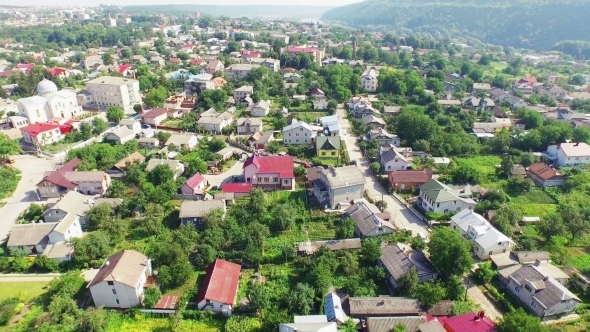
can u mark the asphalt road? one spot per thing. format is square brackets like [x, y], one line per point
[32, 170]
[401, 216]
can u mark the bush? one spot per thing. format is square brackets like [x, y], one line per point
[151, 296]
[8, 309]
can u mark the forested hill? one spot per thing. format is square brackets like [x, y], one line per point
[519, 23]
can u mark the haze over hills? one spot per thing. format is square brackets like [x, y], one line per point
[253, 11]
[519, 23]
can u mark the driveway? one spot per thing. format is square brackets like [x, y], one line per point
[477, 296]
[32, 170]
[401, 216]
[227, 176]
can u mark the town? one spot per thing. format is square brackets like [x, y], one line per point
[195, 173]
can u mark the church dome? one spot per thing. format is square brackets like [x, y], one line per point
[46, 87]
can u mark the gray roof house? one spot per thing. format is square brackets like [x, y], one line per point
[195, 211]
[260, 109]
[339, 185]
[383, 306]
[368, 219]
[397, 259]
[74, 203]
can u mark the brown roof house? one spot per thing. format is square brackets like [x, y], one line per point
[118, 170]
[545, 176]
[121, 280]
[368, 219]
[404, 180]
[398, 259]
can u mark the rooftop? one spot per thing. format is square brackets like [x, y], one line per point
[383, 305]
[221, 282]
[125, 267]
[339, 177]
[200, 209]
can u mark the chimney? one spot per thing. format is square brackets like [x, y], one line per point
[481, 314]
[537, 262]
[578, 143]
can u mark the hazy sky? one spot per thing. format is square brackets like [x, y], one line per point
[164, 2]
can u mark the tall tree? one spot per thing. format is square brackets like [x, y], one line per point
[519, 321]
[449, 252]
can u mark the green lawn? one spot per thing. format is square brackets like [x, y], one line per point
[187, 286]
[141, 323]
[485, 166]
[535, 203]
[26, 289]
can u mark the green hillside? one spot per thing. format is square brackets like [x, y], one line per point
[518, 23]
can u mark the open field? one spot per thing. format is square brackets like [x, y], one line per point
[27, 289]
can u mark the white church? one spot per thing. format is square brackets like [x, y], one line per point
[49, 103]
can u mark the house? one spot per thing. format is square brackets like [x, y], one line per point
[369, 80]
[539, 293]
[339, 185]
[333, 309]
[368, 219]
[243, 92]
[320, 104]
[195, 184]
[407, 179]
[298, 133]
[327, 146]
[270, 172]
[569, 154]
[395, 159]
[438, 197]
[481, 87]
[312, 323]
[54, 184]
[131, 124]
[148, 142]
[121, 280]
[42, 133]
[374, 122]
[60, 251]
[215, 123]
[121, 135]
[238, 71]
[260, 109]
[264, 140]
[72, 203]
[383, 306]
[553, 91]
[545, 176]
[237, 189]
[316, 53]
[89, 183]
[488, 240]
[176, 166]
[384, 137]
[248, 126]
[194, 212]
[35, 237]
[387, 324]
[183, 140]
[220, 287]
[214, 66]
[119, 169]
[471, 322]
[155, 116]
[398, 259]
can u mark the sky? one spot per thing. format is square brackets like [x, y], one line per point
[164, 2]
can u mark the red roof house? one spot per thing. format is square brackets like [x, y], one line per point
[220, 287]
[270, 172]
[317, 92]
[198, 62]
[25, 67]
[471, 322]
[57, 72]
[409, 178]
[42, 133]
[124, 69]
[57, 180]
[194, 185]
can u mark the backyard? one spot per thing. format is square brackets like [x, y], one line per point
[25, 290]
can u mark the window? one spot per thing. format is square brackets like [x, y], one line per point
[517, 289]
[499, 243]
[527, 287]
[552, 311]
[533, 304]
[491, 253]
[114, 291]
[110, 283]
[117, 300]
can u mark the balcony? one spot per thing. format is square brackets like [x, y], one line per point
[150, 282]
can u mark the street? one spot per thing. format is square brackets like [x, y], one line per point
[32, 170]
[401, 216]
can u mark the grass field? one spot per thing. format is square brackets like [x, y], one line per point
[141, 323]
[535, 203]
[485, 166]
[27, 290]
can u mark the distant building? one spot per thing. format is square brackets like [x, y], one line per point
[115, 91]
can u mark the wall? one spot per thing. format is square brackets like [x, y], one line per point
[345, 195]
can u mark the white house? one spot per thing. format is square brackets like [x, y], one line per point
[131, 124]
[183, 140]
[436, 196]
[488, 240]
[42, 133]
[320, 104]
[121, 135]
[120, 281]
[395, 159]
[569, 154]
[248, 126]
[298, 133]
[369, 80]
[261, 108]
[220, 287]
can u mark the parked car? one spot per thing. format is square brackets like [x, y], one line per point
[145, 126]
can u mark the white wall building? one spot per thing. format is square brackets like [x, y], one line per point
[115, 91]
[298, 133]
[569, 154]
[369, 80]
[49, 103]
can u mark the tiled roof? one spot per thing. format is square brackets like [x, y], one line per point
[30, 234]
[383, 305]
[125, 267]
[132, 158]
[57, 177]
[367, 217]
[221, 282]
[549, 291]
[272, 164]
[156, 112]
[78, 177]
[388, 324]
[236, 187]
[421, 176]
[37, 128]
[195, 180]
[72, 202]
[543, 171]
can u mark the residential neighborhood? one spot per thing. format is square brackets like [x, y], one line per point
[168, 171]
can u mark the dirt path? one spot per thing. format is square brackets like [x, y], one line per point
[477, 296]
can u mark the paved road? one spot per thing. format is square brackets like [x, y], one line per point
[476, 295]
[32, 170]
[227, 176]
[401, 216]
